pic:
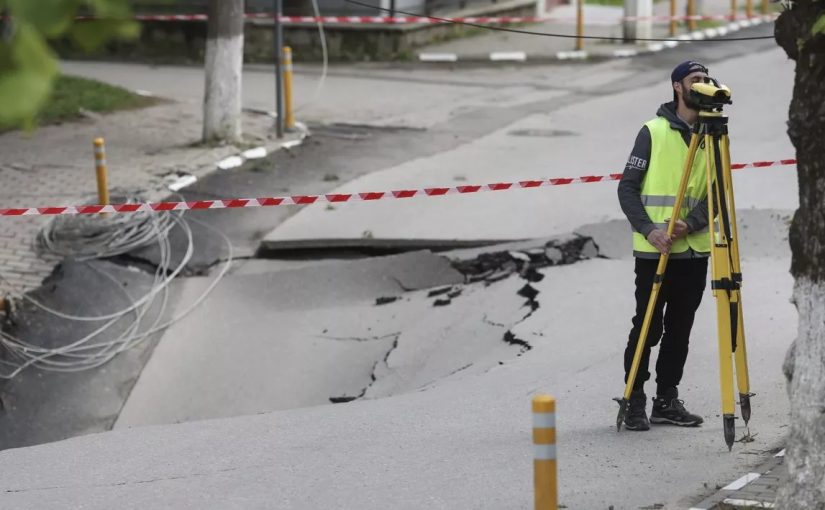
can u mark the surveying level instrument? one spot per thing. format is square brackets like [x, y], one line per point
[711, 131]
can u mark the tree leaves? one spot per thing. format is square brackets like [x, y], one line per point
[25, 87]
[31, 52]
[819, 26]
[91, 34]
[50, 17]
[114, 9]
[28, 66]
[21, 94]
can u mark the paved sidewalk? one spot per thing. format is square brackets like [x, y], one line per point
[756, 489]
[53, 166]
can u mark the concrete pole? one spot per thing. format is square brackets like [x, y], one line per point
[541, 8]
[224, 61]
[638, 28]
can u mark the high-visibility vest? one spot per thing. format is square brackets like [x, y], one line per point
[660, 185]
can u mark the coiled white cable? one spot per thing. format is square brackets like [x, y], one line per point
[108, 237]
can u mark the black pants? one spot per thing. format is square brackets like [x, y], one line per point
[679, 297]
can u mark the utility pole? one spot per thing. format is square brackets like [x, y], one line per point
[224, 65]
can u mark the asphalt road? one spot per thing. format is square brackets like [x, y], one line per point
[445, 422]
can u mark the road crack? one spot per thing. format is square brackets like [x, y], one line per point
[373, 378]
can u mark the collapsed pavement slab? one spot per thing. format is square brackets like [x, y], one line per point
[335, 331]
[42, 406]
[460, 442]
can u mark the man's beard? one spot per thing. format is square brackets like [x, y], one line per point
[689, 102]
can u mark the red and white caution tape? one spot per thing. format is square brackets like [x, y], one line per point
[482, 20]
[333, 198]
[352, 19]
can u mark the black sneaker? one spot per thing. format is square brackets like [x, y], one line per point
[668, 409]
[636, 417]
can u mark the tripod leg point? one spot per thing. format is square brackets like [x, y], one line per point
[745, 404]
[730, 430]
[622, 411]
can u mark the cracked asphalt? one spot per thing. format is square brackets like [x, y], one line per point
[440, 417]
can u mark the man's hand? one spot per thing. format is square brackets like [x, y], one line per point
[660, 240]
[680, 230]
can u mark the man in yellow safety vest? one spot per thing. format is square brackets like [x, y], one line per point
[647, 194]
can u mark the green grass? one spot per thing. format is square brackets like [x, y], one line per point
[702, 24]
[612, 3]
[72, 95]
[773, 8]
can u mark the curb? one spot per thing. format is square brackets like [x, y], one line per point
[181, 180]
[521, 56]
[757, 489]
[239, 159]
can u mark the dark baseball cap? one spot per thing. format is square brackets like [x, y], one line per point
[686, 68]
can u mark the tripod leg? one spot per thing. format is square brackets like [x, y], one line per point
[657, 285]
[637, 355]
[721, 276]
[742, 377]
[723, 312]
[740, 352]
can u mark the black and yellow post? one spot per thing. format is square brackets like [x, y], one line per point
[726, 278]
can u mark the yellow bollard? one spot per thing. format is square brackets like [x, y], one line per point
[672, 18]
[102, 173]
[733, 8]
[289, 115]
[749, 9]
[765, 7]
[544, 444]
[579, 25]
[691, 13]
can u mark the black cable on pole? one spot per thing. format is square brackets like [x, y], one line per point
[279, 75]
[545, 34]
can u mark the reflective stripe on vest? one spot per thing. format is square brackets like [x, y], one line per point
[669, 201]
[660, 185]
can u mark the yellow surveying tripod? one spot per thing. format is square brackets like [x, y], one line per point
[711, 131]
